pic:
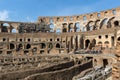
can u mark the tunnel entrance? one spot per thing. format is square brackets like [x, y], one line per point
[28, 46]
[105, 62]
[12, 46]
[87, 42]
[42, 45]
[57, 45]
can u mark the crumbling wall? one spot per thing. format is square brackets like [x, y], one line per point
[65, 74]
[116, 65]
[23, 74]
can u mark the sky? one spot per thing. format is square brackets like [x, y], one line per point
[30, 10]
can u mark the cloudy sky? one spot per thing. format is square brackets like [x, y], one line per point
[29, 10]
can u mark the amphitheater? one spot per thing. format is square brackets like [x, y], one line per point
[61, 47]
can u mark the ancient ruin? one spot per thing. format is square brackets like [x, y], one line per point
[68, 46]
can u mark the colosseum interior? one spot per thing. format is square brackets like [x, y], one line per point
[62, 47]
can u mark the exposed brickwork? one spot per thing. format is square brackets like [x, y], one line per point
[116, 65]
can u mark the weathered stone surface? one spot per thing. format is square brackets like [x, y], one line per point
[116, 66]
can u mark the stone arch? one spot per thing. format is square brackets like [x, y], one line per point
[57, 45]
[106, 43]
[99, 43]
[103, 23]
[97, 24]
[42, 45]
[5, 27]
[90, 26]
[28, 46]
[71, 27]
[114, 12]
[14, 30]
[77, 27]
[58, 30]
[118, 38]
[51, 20]
[50, 45]
[95, 62]
[12, 46]
[51, 27]
[19, 47]
[64, 27]
[87, 43]
[116, 23]
[93, 43]
[105, 62]
[84, 29]
[110, 21]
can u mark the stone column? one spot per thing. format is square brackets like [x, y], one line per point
[0, 28]
[9, 29]
[46, 48]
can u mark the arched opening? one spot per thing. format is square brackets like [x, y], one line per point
[105, 62]
[42, 45]
[12, 46]
[20, 46]
[100, 43]
[87, 43]
[84, 18]
[103, 23]
[64, 18]
[51, 20]
[52, 27]
[14, 31]
[50, 46]
[5, 27]
[106, 43]
[116, 23]
[84, 29]
[93, 44]
[97, 24]
[95, 62]
[28, 46]
[42, 51]
[98, 14]
[70, 27]
[114, 12]
[65, 27]
[110, 22]
[57, 45]
[118, 39]
[90, 26]
[28, 40]
[58, 31]
[34, 49]
[77, 27]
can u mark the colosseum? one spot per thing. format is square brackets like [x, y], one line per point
[78, 47]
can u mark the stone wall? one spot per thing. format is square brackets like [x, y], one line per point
[65, 74]
[22, 74]
[116, 65]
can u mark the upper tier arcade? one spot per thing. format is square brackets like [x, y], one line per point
[85, 22]
[79, 23]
